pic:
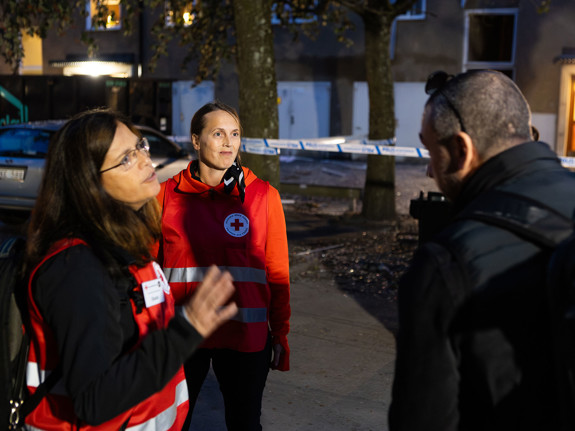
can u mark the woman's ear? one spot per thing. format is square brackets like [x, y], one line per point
[196, 142]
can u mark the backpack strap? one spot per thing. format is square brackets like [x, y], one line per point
[20, 404]
[526, 217]
[20, 408]
[15, 352]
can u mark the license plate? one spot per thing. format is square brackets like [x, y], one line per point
[16, 174]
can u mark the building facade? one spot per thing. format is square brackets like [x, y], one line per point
[321, 83]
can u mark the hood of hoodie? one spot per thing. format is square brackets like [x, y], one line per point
[188, 184]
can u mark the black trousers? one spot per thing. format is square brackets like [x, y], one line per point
[241, 377]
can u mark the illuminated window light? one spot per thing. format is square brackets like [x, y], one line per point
[112, 19]
[186, 14]
[188, 18]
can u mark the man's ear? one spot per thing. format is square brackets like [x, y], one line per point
[464, 154]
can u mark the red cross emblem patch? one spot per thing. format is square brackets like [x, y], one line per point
[237, 225]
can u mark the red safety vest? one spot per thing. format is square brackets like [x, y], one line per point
[214, 228]
[165, 410]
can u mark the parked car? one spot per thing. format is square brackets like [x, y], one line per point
[23, 149]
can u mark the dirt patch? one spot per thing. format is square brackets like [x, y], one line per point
[365, 259]
[329, 240]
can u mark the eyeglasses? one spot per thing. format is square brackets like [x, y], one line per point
[435, 82]
[130, 158]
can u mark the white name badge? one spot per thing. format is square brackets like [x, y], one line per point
[162, 277]
[153, 292]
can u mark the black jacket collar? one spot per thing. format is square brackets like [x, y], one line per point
[504, 167]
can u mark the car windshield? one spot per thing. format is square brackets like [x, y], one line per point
[160, 147]
[24, 142]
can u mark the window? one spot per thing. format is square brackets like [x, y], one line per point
[32, 61]
[183, 15]
[570, 147]
[103, 15]
[24, 142]
[490, 39]
[159, 146]
[417, 11]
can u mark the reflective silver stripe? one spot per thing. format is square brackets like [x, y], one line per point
[240, 273]
[165, 420]
[247, 274]
[35, 375]
[182, 275]
[251, 315]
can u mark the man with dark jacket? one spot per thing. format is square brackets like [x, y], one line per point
[473, 350]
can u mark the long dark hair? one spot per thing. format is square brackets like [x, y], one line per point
[72, 202]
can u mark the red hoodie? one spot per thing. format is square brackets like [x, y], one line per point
[203, 225]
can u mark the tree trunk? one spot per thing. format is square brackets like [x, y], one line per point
[379, 191]
[258, 107]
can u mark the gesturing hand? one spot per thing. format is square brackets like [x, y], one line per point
[206, 309]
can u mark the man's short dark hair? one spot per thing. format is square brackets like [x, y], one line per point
[489, 104]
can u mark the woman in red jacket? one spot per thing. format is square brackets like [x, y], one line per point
[217, 212]
[101, 315]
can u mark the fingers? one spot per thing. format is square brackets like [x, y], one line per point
[278, 350]
[217, 286]
[206, 308]
[227, 312]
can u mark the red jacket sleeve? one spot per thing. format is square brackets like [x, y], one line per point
[156, 248]
[277, 266]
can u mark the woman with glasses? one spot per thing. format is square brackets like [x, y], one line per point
[218, 212]
[101, 314]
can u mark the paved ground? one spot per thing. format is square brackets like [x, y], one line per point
[342, 354]
[342, 366]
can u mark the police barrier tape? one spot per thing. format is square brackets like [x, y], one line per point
[335, 145]
[343, 145]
